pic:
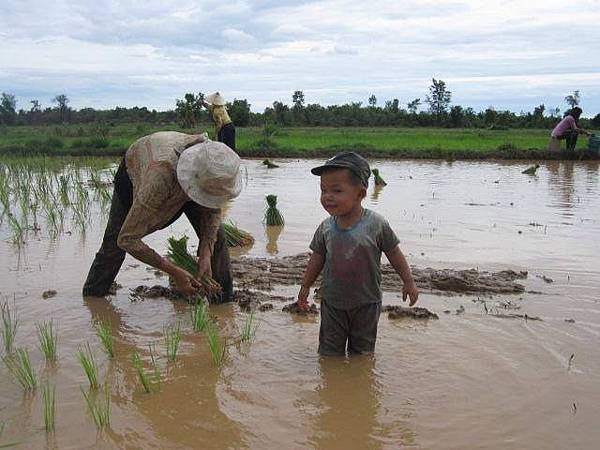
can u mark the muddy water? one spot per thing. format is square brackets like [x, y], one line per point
[467, 380]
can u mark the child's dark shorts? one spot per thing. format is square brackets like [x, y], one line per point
[352, 329]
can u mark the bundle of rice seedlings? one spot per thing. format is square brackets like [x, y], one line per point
[272, 214]
[19, 365]
[48, 340]
[104, 332]
[172, 337]
[236, 237]
[48, 406]
[269, 164]
[218, 347]
[199, 313]
[178, 253]
[88, 363]
[9, 327]
[98, 407]
[248, 331]
[378, 180]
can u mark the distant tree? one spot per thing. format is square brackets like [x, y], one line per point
[392, 105]
[62, 102]
[438, 99]
[372, 101]
[414, 105]
[457, 116]
[35, 106]
[298, 99]
[188, 110]
[239, 111]
[595, 122]
[573, 99]
[281, 113]
[538, 111]
[554, 112]
[8, 109]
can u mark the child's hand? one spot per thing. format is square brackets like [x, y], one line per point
[410, 290]
[303, 298]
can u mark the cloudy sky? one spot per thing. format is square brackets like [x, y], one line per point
[105, 53]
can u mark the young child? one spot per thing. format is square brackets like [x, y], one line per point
[347, 246]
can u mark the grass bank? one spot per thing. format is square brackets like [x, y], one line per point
[99, 140]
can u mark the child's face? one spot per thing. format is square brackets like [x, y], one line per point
[339, 194]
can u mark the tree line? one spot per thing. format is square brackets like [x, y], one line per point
[435, 109]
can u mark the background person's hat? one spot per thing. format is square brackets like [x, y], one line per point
[209, 173]
[347, 160]
[215, 99]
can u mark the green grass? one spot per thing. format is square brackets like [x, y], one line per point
[199, 314]
[422, 142]
[48, 339]
[104, 333]
[216, 345]
[248, 330]
[98, 406]
[88, 363]
[172, 339]
[48, 406]
[19, 365]
[9, 327]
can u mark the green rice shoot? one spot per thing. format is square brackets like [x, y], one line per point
[236, 237]
[178, 253]
[49, 406]
[270, 164]
[9, 327]
[88, 363]
[172, 338]
[248, 331]
[104, 333]
[216, 345]
[98, 406]
[273, 216]
[141, 372]
[19, 365]
[199, 315]
[378, 180]
[48, 340]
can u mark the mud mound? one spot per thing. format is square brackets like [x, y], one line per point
[401, 312]
[293, 308]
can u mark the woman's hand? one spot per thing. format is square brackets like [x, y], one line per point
[185, 282]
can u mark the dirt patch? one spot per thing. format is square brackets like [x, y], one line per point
[293, 308]
[264, 274]
[402, 312]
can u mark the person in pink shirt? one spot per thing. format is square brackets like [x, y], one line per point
[567, 129]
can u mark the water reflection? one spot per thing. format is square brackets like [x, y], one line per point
[273, 232]
[376, 192]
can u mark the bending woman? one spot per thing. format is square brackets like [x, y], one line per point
[224, 128]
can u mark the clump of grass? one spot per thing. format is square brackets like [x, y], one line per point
[172, 337]
[9, 327]
[272, 214]
[19, 365]
[217, 346]
[98, 407]
[248, 331]
[48, 338]
[88, 363]
[236, 237]
[104, 332]
[200, 317]
[269, 164]
[178, 253]
[49, 406]
[378, 180]
[141, 372]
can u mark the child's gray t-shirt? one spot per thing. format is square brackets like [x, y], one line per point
[351, 275]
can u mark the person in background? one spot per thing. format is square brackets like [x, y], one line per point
[567, 129]
[162, 176]
[347, 247]
[224, 128]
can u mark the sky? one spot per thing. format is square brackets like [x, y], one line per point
[104, 53]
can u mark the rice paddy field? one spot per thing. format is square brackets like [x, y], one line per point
[496, 370]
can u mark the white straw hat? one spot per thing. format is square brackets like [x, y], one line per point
[215, 99]
[209, 173]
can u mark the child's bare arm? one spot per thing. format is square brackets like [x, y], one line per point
[398, 262]
[313, 269]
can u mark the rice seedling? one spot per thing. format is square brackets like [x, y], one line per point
[248, 331]
[172, 339]
[178, 253]
[149, 382]
[19, 365]
[199, 314]
[9, 327]
[269, 164]
[378, 180]
[216, 345]
[99, 407]
[48, 339]
[272, 214]
[88, 363]
[48, 406]
[104, 333]
[236, 237]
